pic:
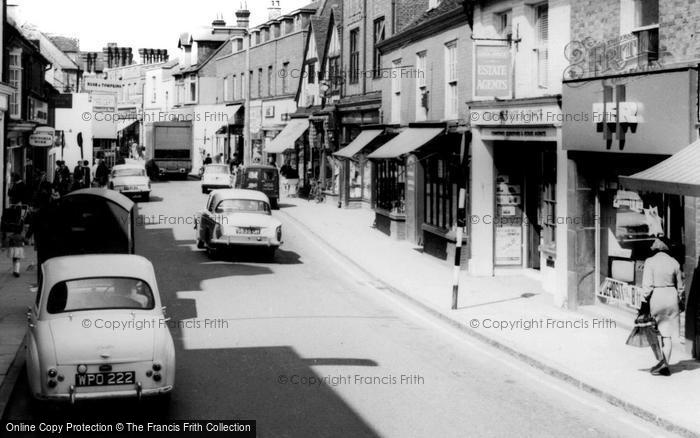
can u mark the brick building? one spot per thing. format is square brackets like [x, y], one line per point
[633, 76]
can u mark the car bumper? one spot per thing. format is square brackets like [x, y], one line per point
[245, 240]
[216, 186]
[76, 395]
[134, 192]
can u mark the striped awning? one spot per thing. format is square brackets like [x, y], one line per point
[285, 139]
[408, 141]
[360, 142]
[678, 175]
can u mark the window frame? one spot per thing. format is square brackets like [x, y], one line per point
[354, 52]
[379, 35]
[451, 81]
[15, 100]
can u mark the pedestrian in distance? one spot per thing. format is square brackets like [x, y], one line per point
[87, 178]
[18, 191]
[16, 243]
[102, 174]
[207, 160]
[77, 176]
[662, 283]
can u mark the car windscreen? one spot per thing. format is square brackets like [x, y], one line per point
[128, 172]
[216, 169]
[100, 293]
[242, 206]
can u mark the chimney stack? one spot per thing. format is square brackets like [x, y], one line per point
[243, 16]
[274, 11]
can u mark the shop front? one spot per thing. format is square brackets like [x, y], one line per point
[515, 149]
[398, 181]
[356, 168]
[634, 123]
[291, 148]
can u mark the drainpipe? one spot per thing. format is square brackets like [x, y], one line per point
[247, 143]
[364, 48]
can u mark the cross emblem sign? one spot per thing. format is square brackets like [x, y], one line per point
[615, 115]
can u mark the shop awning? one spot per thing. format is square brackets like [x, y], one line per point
[222, 130]
[285, 139]
[230, 111]
[408, 141]
[677, 175]
[123, 124]
[360, 142]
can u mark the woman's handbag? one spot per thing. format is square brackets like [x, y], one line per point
[645, 333]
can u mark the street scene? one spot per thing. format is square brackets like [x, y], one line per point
[389, 218]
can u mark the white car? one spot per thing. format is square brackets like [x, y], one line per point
[238, 218]
[216, 176]
[130, 180]
[97, 330]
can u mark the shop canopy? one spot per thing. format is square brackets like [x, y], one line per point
[231, 111]
[679, 174]
[123, 124]
[285, 139]
[361, 141]
[408, 141]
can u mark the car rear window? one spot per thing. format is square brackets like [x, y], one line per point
[261, 174]
[129, 172]
[100, 293]
[216, 169]
[242, 205]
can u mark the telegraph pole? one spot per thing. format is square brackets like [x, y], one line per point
[461, 217]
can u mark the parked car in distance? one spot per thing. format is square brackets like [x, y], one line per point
[74, 352]
[237, 218]
[261, 177]
[130, 180]
[216, 176]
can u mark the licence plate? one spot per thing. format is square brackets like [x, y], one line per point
[106, 379]
[248, 231]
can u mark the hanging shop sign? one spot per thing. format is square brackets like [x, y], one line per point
[42, 138]
[99, 84]
[493, 71]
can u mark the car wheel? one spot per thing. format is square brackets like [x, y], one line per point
[204, 190]
[274, 204]
[212, 252]
[200, 244]
[270, 254]
[146, 197]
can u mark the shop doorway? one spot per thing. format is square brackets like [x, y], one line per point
[524, 221]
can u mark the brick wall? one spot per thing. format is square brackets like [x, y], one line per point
[679, 30]
[598, 19]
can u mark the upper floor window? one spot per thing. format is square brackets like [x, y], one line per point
[504, 24]
[284, 74]
[311, 72]
[226, 89]
[260, 86]
[269, 80]
[396, 91]
[379, 35]
[15, 80]
[297, 23]
[451, 95]
[422, 92]
[153, 89]
[542, 40]
[354, 55]
[288, 26]
[192, 89]
[646, 29]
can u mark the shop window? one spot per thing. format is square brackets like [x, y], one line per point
[354, 56]
[549, 199]
[367, 181]
[441, 191]
[391, 186]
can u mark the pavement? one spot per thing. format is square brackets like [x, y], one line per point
[15, 296]
[585, 348]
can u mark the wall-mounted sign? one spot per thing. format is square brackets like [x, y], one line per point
[41, 140]
[269, 111]
[662, 103]
[519, 134]
[38, 111]
[104, 102]
[493, 74]
[508, 246]
[63, 101]
[99, 84]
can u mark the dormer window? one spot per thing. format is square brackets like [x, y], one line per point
[276, 30]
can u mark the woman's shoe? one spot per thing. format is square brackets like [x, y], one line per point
[658, 366]
[16, 274]
[663, 371]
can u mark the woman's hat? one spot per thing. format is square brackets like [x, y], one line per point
[661, 244]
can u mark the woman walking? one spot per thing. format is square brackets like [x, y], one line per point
[16, 253]
[663, 285]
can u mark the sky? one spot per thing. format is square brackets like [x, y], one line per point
[153, 24]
